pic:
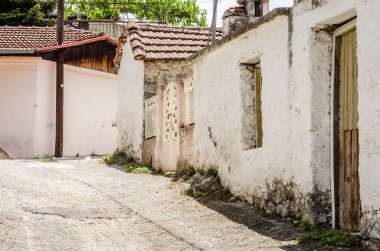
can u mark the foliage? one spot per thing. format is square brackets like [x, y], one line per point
[26, 12]
[137, 169]
[318, 233]
[117, 158]
[127, 164]
[47, 158]
[175, 12]
[184, 173]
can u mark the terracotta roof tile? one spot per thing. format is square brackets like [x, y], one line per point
[154, 41]
[31, 38]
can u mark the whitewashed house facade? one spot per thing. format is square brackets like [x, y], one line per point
[28, 92]
[286, 107]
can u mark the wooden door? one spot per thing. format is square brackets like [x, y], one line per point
[349, 202]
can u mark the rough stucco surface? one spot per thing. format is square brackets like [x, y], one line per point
[307, 16]
[274, 177]
[294, 163]
[131, 103]
[368, 32]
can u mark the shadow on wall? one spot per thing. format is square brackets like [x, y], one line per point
[4, 155]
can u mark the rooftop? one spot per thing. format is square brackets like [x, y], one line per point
[32, 38]
[157, 41]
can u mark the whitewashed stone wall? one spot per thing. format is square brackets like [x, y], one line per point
[368, 24]
[270, 176]
[131, 103]
[309, 15]
[291, 174]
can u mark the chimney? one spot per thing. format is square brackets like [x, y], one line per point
[239, 16]
[234, 18]
[257, 8]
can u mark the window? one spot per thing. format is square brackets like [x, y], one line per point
[252, 131]
[258, 113]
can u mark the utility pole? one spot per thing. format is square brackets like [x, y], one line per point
[213, 25]
[59, 83]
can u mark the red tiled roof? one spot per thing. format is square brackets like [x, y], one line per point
[155, 41]
[31, 38]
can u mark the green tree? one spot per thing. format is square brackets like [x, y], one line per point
[176, 12]
[26, 12]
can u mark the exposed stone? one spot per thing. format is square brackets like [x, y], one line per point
[270, 208]
[233, 23]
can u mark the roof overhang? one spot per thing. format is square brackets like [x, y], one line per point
[83, 42]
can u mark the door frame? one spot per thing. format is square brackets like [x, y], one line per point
[351, 25]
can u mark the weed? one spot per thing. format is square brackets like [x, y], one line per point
[184, 173]
[303, 225]
[128, 164]
[48, 158]
[118, 158]
[137, 169]
[213, 171]
[318, 233]
[199, 194]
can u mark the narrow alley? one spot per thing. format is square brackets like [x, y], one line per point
[85, 205]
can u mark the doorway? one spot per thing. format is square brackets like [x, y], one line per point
[346, 131]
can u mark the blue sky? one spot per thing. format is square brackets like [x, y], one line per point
[224, 4]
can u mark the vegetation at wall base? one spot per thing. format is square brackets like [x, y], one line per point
[127, 163]
[319, 233]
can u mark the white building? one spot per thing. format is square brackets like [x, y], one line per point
[28, 91]
[286, 107]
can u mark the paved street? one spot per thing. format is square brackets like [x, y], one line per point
[85, 205]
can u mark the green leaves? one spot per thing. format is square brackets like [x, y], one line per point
[26, 12]
[175, 12]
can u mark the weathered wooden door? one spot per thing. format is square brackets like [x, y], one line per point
[349, 201]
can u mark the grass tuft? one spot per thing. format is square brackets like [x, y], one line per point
[318, 233]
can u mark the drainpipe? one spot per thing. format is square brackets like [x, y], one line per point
[59, 83]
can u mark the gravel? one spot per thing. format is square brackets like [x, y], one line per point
[85, 205]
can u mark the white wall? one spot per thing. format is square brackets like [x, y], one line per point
[90, 108]
[131, 103]
[45, 112]
[27, 109]
[306, 18]
[18, 106]
[368, 28]
[218, 112]
[296, 96]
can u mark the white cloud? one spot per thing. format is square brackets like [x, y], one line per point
[225, 4]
